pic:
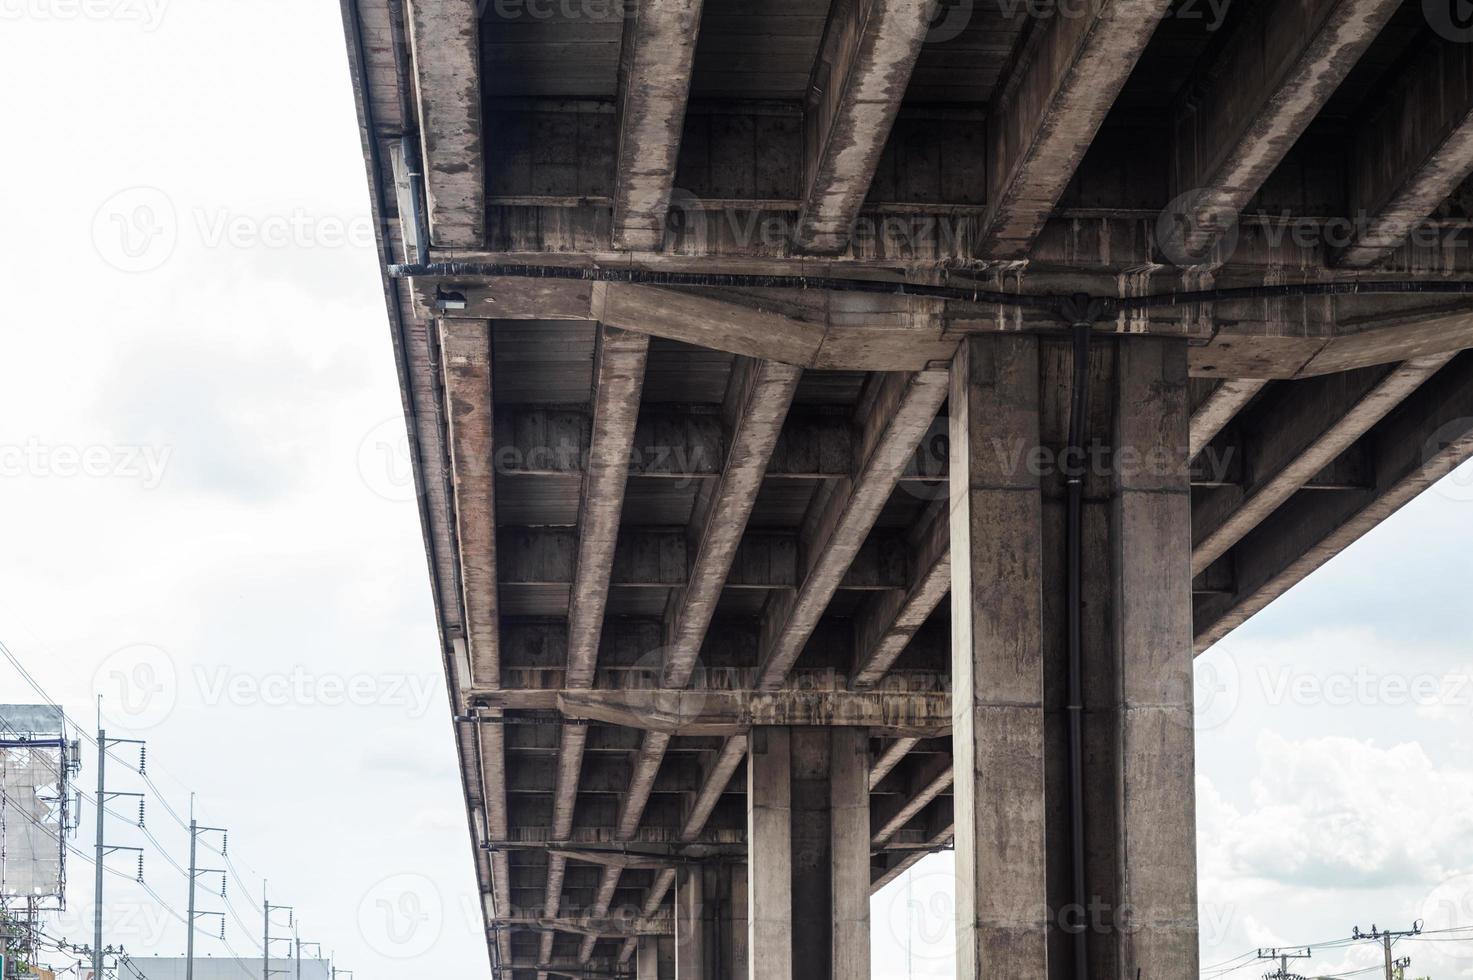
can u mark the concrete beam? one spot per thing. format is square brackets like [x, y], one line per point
[618, 380]
[1303, 434]
[887, 623]
[1266, 85]
[1419, 443]
[1219, 408]
[585, 925]
[619, 364]
[654, 83]
[445, 38]
[922, 713]
[758, 396]
[720, 768]
[890, 758]
[761, 393]
[466, 353]
[1411, 151]
[1045, 116]
[923, 784]
[868, 51]
[898, 410]
[752, 331]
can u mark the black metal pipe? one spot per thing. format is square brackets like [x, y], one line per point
[1051, 302]
[1074, 545]
[657, 277]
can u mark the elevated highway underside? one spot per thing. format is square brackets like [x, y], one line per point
[699, 550]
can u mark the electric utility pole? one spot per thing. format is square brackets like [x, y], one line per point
[300, 944]
[1284, 956]
[1387, 937]
[266, 909]
[194, 872]
[104, 849]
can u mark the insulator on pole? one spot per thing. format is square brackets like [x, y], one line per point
[142, 759]
[140, 811]
[140, 868]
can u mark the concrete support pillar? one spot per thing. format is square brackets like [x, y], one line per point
[808, 848]
[997, 661]
[1016, 908]
[690, 924]
[711, 931]
[655, 958]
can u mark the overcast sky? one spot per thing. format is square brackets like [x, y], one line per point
[205, 495]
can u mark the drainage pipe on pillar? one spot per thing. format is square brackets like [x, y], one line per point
[1084, 312]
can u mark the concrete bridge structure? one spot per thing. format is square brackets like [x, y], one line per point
[839, 423]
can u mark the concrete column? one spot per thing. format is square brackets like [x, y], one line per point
[1015, 901]
[808, 845]
[1155, 843]
[690, 924]
[997, 660]
[769, 856]
[655, 958]
[711, 922]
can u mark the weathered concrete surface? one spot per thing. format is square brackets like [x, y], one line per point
[1046, 116]
[655, 67]
[1298, 449]
[868, 52]
[445, 38]
[1412, 151]
[1267, 85]
[997, 666]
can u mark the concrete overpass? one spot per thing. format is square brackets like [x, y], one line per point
[739, 340]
